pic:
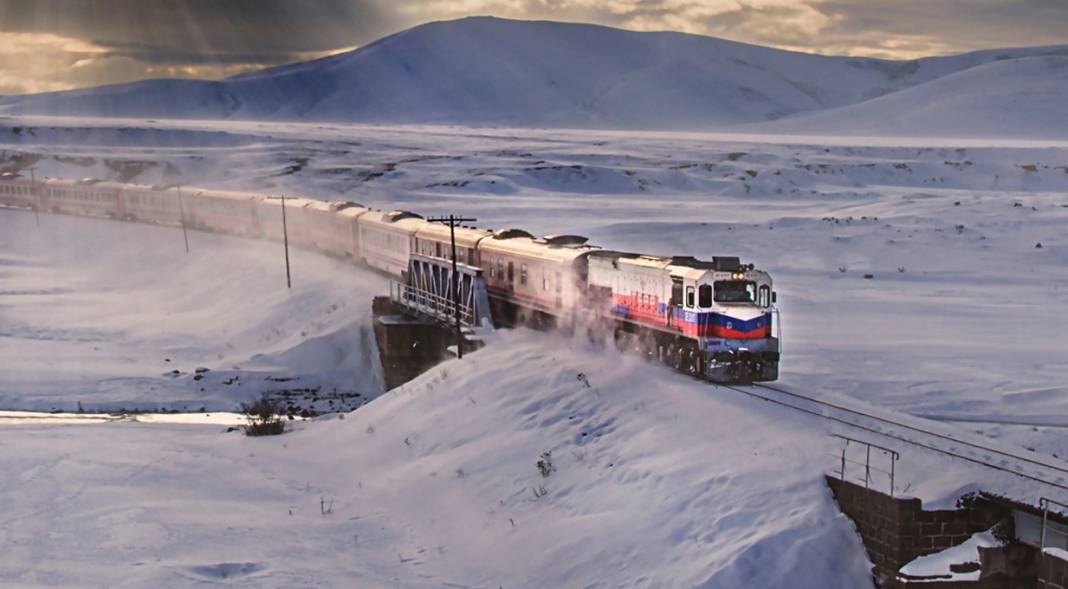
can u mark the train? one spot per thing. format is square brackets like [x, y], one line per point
[716, 319]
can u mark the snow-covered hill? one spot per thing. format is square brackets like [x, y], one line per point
[526, 73]
[1018, 97]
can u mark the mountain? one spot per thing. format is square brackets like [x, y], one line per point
[489, 71]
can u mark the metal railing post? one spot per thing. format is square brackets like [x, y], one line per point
[892, 461]
[867, 468]
[1045, 517]
[844, 449]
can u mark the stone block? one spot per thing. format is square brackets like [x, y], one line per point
[927, 517]
[942, 542]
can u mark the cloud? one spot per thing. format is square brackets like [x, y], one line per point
[28, 60]
[43, 62]
[204, 25]
[59, 44]
[48, 45]
[945, 25]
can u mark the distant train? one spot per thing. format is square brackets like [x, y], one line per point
[715, 319]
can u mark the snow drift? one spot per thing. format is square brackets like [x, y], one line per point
[491, 71]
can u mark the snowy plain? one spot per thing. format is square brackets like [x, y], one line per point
[660, 481]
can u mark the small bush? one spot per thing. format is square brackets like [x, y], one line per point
[264, 417]
[545, 464]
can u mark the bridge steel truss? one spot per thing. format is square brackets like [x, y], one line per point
[428, 292]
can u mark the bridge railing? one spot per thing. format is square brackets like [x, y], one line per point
[860, 461]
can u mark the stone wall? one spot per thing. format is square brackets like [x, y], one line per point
[895, 531]
[1052, 572]
[407, 347]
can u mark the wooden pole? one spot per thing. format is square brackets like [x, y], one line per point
[285, 242]
[181, 215]
[456, 290]
[33, 193]
[452, 220]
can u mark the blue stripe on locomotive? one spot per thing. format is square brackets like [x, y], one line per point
[721, 320]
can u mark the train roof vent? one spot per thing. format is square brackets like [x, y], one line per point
[85, 181]
[720, 263]
[346, 204]
[510, 234]
[8, 176]
[564, 240]
[394, 216]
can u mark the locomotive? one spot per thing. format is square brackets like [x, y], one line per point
[714, 319]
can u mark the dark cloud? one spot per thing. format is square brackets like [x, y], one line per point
[221, 26]
[955, 25]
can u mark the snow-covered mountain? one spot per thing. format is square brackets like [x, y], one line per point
[490, 71]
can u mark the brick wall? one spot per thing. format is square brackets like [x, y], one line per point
[895, 531]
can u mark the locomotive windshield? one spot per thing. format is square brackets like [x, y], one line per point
[735, 291]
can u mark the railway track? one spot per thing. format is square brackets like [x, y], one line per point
[1033, 468]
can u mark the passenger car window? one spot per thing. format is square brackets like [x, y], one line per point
[704, 296]
[689, 296]
[522, 274]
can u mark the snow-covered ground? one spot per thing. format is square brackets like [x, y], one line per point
[656, 481]
[101, 315]
[674, 482]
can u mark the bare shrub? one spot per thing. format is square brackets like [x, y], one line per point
[264, 417]
[545, 464]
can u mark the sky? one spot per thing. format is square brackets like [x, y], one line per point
[48, 45]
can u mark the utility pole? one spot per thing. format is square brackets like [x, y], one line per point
[453, 221]
[285, 241]
[181, 215]
[33, 193]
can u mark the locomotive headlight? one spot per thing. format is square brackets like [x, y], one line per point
[738, 275]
